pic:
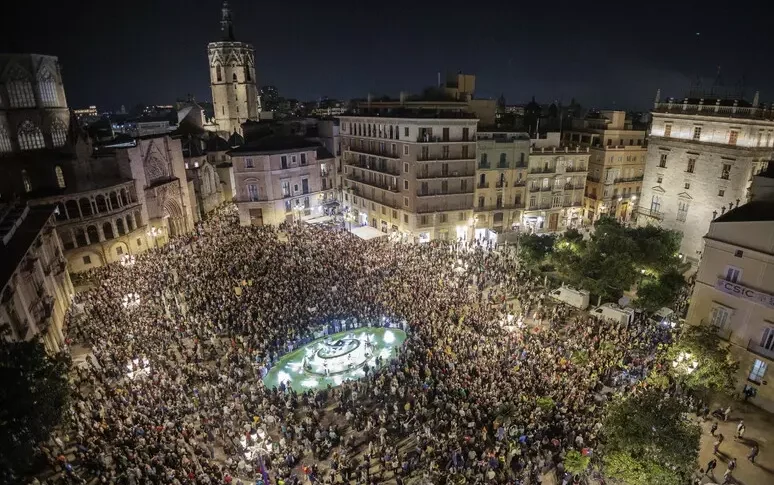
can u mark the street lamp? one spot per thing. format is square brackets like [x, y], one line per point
[153, 233]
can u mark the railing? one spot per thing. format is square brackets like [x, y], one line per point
[377, 151]
[484, 166]
[545, 189]
[543, 170]
[534, 189]
[756, 348]
[440, 139]
[575, 169]
[520, 183]
[716, 110]
[629, 179]
[483, 186]
[502, 165]
[444, 175]
[491, 207]
[373, 168]
[437, 193]
[560, 149]
[382, 186]
[500, 185]
[650, 213]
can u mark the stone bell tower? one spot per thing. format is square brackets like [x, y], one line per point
[232, 79]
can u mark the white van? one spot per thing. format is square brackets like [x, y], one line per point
[571, 296]
[665, 316]
[611, 311]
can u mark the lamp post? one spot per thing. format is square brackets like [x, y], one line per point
[153, 233]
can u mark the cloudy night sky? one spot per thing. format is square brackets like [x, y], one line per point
[605, 54]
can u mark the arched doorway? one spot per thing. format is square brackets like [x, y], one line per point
[173, 215]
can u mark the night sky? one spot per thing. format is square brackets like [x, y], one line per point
[605, 54]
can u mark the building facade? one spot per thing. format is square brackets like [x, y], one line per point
[280, 179]
[616, 165]
[36, 287]
[734, 292]
[702, 155]
[555, 182]
[501, 183]
[409, 174]
[232, 79]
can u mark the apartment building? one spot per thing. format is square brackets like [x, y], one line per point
[702, 155]
[734, 290]
[410, 172]
[282, 178]
[501, 181]
[555, 181]
[616, 165]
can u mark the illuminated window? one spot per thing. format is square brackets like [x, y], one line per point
[682, 210]
[758, 371]
[725, 172]
[30, 136]
[732, 137]
[655, 204]
[5, 141]
[26, 181]
[58, 133]
[60, 181]
[219, 73]
[252, 192]
[667, 131]
[47, 88]
[21, 94]
[720, 316]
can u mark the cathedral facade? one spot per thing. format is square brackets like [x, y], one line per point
[232, 79]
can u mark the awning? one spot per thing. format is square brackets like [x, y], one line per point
[319, 220]
[367, 232]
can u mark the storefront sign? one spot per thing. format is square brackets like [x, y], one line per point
[739, 291]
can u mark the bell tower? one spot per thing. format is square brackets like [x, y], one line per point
[232, 78]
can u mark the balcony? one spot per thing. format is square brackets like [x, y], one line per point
[500, 185]
[757, 349]
[440, 193]
[484, 166]
[629, 179]
[575, 169]
[374, 168]
[372, 183]
[572, 187]
[448, 175]
[534, 188]
[655, 214]
[546, 189]
[520, 183]
[715, 110]
[376, 151]
[440, 139]
[495, 207]
[485, 185]
[542, 170]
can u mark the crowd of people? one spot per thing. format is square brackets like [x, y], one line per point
[492, 385]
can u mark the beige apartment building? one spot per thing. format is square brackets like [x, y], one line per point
[702, 155]
[36, 290]
[409, 172]
[616, 165]
[501, 182]
[555, 181]
[282, 178]
[734, 290]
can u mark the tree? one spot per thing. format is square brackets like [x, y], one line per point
[33, 396]
[663, 291]
[567, 252]
[576, 463]
[657, 248]
[701, 362]
[534, 248]
[649, 441]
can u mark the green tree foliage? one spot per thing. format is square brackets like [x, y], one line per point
[657, 248]
[649, 440]
[534, 248]
[576, 463]
[655, 293]
[715, 370]
[33, 395]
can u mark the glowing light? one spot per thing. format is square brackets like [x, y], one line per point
[283, 377]
[130, 300]
[389, 337]
[309, 383]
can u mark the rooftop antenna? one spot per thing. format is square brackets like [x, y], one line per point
[439, 79]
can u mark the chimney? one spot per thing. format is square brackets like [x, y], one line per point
[658, 97]
[756, 99]
[402, 97]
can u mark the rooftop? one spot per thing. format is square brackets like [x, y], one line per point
[753, 211]
[411, 113]
[323, 153]
[19, 227]
[274, 144]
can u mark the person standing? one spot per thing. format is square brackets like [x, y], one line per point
[753, 453]
[714, 428]
[711, 467]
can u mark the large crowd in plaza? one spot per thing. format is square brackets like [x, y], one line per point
[474, 396]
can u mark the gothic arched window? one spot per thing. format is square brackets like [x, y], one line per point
[47, 88]
[26, 181]
[5, 140]
[60, 181]
[30, 136]
[21, 94]
[247, 73]
[234, 77]
[58, 133]
[219, 73]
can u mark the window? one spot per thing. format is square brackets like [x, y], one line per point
[119, 250]
[481, 202]
[725, 172]
[405, 167]
[655, 204]
[405, 131]
[444, 218]
[58, 133]
[445, 134]
[292, 159]
[758, 371]
[60, 181]
[406, 201]
[219, 73]
[767, 341]
[659, 179]
[248, 163]
[682, 210]
[21, 94]
[47, 88]
[405, 185]
[252, 192]
[303, 159]
[247, 74]
[405, 216]
[284, 161]
[30, 136]
[721, 193]
[733, 274]
[687, 185]
[139, 242]
[739, 253]
[234, 77]
[484, 161]
[696, 132]
[26, 181]
[87, 260]
[691, 165]
[405, 149]
[667, 131]
[720, 316]
[285, 188]
[5, 141]
[732, 137]
[662, 161]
